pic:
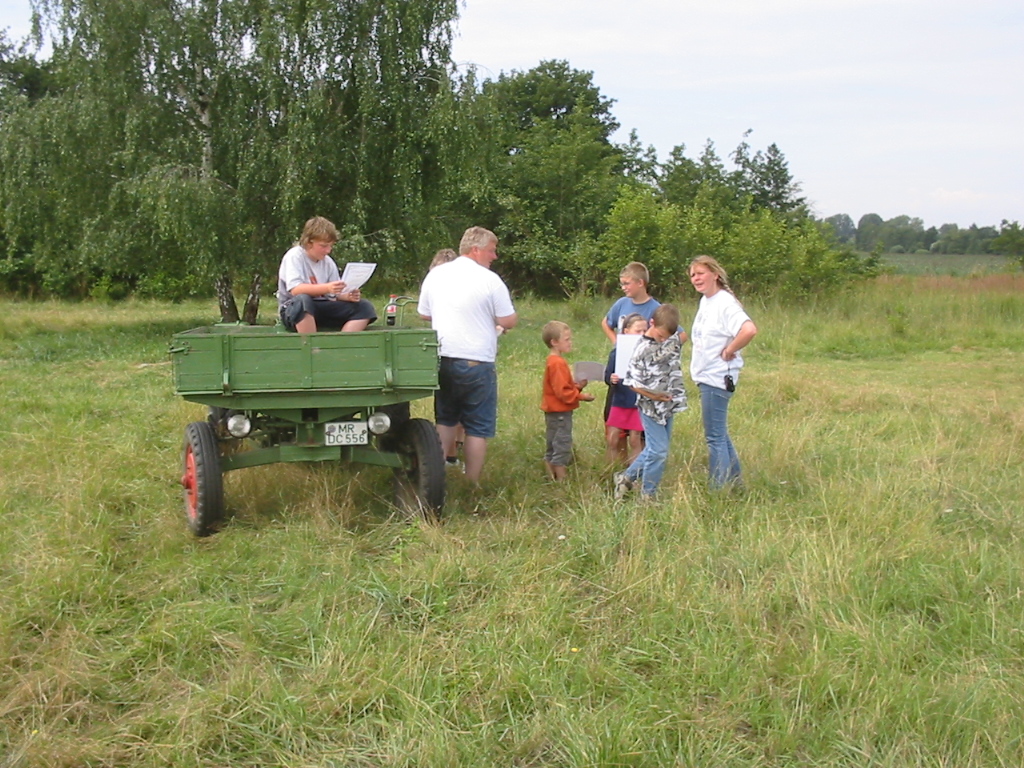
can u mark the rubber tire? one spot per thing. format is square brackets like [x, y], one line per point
[421, 487]
[201, 479]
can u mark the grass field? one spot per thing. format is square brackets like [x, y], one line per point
[861, 604]
[953, 264]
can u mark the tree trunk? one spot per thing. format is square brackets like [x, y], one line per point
[226, 300]
[252, 301]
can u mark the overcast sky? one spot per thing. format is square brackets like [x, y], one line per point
[893, 107]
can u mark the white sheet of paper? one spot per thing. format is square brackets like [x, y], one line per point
[356, 274]
[588, 370]
[625, 343]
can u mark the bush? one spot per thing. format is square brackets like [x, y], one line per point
[763, 251]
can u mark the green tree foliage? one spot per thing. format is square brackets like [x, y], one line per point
[552, 92]
[906, 234]
[868, 231]
[639, 163]
[170, 144]
[764, 177]
[1010, 240]
[208, 130]
[642, 227]
[902, 232]
[550, 170]
[842, 228]
[972, 239]
[758, 181]
[750, 217]
[683, 179]
[21, 75]
[764, 250]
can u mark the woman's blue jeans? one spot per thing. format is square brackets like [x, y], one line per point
[650, 464]
[723, 463]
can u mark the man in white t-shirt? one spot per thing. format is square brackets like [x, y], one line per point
[465, 301]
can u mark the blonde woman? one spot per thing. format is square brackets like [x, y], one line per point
[720, 330]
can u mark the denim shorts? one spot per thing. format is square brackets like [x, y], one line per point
[329, 315]
[467, 395]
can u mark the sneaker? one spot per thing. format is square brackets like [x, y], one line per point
[623, 485]
[452, 463]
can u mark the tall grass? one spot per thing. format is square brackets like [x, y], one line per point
[860, 604]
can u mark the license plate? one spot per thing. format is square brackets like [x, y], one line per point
[346, 433]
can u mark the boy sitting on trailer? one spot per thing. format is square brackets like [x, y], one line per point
[310, 293]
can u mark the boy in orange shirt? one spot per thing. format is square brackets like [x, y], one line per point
[562, 395]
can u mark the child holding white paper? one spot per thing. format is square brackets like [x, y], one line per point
[655, 374]
[311, 295]
[623, 429]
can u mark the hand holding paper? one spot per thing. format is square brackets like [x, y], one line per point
[356, 274]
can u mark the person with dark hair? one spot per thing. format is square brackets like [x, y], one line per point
[624, 431]
[655, 374]
[443, 256]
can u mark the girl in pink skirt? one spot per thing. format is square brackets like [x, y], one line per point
[623, 430]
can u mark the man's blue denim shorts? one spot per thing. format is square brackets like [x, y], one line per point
[467, 395]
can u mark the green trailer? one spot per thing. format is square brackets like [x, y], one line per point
[275, 396]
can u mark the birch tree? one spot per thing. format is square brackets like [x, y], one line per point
[193, 137]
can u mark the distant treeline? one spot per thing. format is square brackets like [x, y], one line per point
[173, 146]
[904, 234]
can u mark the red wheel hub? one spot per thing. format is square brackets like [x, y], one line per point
[188, 482]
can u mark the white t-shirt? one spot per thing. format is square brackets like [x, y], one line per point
[463, 301]
[297, 268]
[719, 318]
